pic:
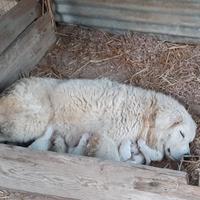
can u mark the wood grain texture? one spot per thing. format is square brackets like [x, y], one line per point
[74, 177]
[20, 195]
[26, 51]
[174, 18]
[16, 21]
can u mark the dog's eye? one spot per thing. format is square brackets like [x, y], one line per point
[182, 134]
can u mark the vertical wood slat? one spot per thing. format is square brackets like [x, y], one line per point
[180, 19]
[27, 50]
[16, 20]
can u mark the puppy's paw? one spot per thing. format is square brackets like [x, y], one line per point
[138, 159]
[141, 143]
[125, 149]
[134, 148]
[84, 138]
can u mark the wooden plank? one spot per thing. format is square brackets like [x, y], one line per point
[26, 51]
[16, 20]
[82, 178]
[20, 195]
[178, 19]
[199, 177]
[6, 5]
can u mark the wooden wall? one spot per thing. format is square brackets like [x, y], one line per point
[25, 36]
[177, 21]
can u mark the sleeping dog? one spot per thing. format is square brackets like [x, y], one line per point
[158, 123]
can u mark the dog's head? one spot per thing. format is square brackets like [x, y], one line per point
[177, 131]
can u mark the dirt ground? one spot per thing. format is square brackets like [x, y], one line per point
[134, 59]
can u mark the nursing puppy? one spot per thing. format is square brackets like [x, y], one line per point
[92, 145]
[158, 123]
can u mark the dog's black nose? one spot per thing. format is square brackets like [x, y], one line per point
[187, 154]
[168, 150]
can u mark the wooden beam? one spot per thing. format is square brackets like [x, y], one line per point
[26, 51]
[7, 194]
[73, 177]
[5, 6]
[16, 20]
[175, 18]
[199, 178]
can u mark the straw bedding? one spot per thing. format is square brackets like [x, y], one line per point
[134, 59]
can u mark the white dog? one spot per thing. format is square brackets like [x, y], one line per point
[159, 123]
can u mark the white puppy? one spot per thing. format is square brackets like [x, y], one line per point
[101, 146]
[54, 141]
[159, 123]
[129, 152]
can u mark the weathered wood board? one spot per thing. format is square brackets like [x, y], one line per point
[7, 194]
[180, 18]
[26, 51]
[16, 20]
[6, 5]
[84, 178]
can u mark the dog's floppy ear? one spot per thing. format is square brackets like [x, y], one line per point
[169, 120]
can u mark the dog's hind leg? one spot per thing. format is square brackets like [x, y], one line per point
[43, 142]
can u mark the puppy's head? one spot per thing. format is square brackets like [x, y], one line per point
[177, 131]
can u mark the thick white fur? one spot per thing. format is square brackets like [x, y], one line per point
[116, 110]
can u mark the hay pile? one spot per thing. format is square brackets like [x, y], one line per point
[135, 59]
